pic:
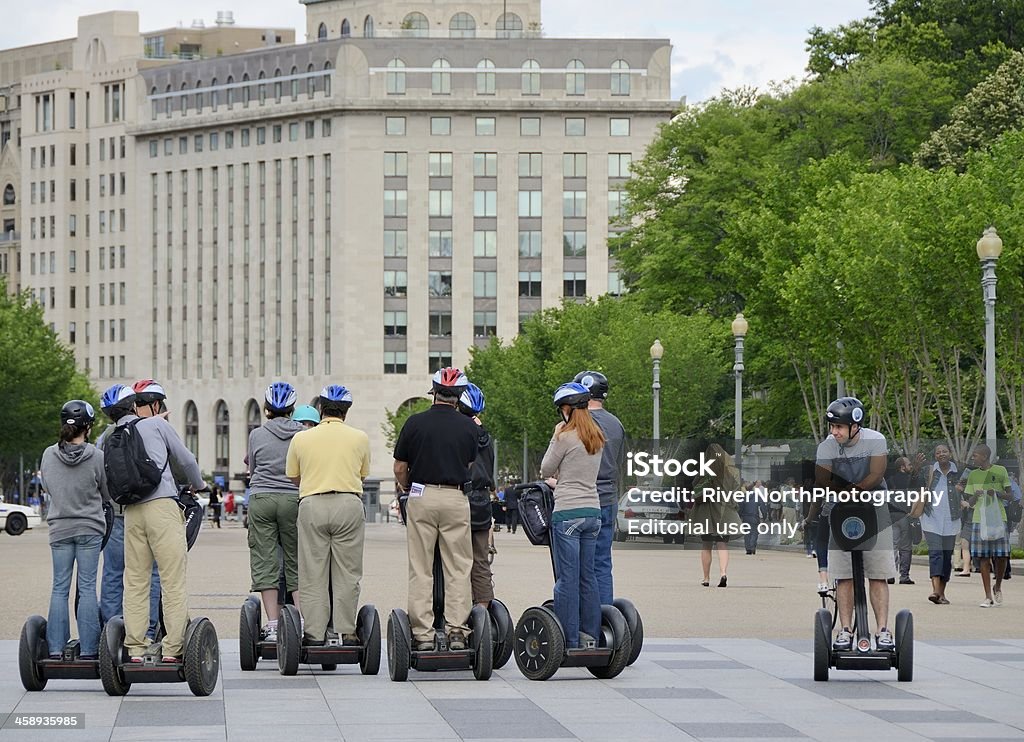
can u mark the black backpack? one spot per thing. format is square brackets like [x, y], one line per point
[131, 474]
[536, 502]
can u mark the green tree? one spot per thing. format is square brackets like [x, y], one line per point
[37, 376]
[393, 421]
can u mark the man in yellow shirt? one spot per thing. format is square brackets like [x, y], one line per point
[328, 463]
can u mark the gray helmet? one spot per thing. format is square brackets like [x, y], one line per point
[845, 411]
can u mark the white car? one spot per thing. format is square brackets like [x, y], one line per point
[638, 508]
[16, 519]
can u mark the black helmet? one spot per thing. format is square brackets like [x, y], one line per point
[595, 381]
[845, 411]
[77, 412]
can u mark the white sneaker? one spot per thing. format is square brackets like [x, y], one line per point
[997, 596]
[987, 603]
[822, 588]
[270, 632]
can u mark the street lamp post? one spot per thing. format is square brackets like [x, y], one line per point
[989, 248]
[739, 332]
[657, 351]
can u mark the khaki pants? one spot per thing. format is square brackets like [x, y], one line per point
[272, 517]
[330, 549]
[440, 515]
[155, 530]
[483, 584]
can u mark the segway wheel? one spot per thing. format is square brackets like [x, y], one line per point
[904, 646]
[399, 649]
[289, 640]
[111, 649]
[202, 658]
[822, 649]
[249, 634]
[483, 643]
[539, 644]
[635, 624]
[33, 641]
[613, 622]
[368, 630]
[502, 631]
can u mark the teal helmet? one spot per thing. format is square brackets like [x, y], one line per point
[306, 414]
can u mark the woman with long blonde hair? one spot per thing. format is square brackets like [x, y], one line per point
[571, 463]
[716, 512]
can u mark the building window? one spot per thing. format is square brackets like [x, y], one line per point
[485, 127]
[441, 77]
[394, 126]
[346, 28]
[440, 324]
[439, 283]
[395, 362]
[485, 284]
[529, 127]
[617, 202]
[574, 244]
[321, 32]
[485, 243]
[222, 446]
[619, 164]
[618, 127]
[486, 82]
[395, 323]
[253, 417]
[616, 286]
[368, 30]
[575, 82]
[396, 283]
[529, 244]
[485, 164]
[530, 164]
[574, 203]
[436, 360]
[395, 77]
[531, 77]
[192, 428]
[396, 164]
[529, 283]
[396, 243]
[485, 324]
[415, 24]
[509, 26]
[440, 126]
[439, 243]
[620, 77]
[574, 165]
[439, 164]
[396, 202]
[575, 127]
[575, 284]
[439, 203]
[462, 26]
[485, 203]
[530, 203]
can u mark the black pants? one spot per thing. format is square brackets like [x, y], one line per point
[215, 510]
[512, 519]
[750, 538]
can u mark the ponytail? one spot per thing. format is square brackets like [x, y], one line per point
[589, 433]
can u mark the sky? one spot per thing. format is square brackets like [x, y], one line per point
[716, 43]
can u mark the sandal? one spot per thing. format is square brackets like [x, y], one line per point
[705, 583]
[934, 597]
[723, 582]
[943, 601]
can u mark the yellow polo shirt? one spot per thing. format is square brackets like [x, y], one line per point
[332, 457]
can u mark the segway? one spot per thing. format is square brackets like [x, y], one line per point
[252, 647]
[539, 637]
[854, 528]
[34, 663]
[201, 663]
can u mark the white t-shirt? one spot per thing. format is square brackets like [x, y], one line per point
[939, 521]
[852, 462]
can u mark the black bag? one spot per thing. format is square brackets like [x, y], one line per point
[536, 501]
[479, 510]
[1013, 512]
[131, 474]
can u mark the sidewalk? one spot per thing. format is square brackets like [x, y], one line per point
[694, 689]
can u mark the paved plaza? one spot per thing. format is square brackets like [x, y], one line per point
[717, 664]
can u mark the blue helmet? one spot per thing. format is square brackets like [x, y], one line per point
[472, 400]
[280, 396]
[573, 394]
[336, 393]
[113, 395]
[306, 414]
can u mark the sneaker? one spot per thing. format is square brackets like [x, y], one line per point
[168, 659]
[811, 556]
[987, 603]
[269, 633]
[456, 641]
[844, 640]
[822, 588]
[350, 640]
[997, 596]
[962, 574]
[884, 641]
[135, 660]
[906, 581]
[814, 554]
[424, 646]
[891, 581]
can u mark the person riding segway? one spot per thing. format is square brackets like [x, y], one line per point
[433, 457]
[328, 464]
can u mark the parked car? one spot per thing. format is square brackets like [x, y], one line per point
[16, 519]
[640, 507]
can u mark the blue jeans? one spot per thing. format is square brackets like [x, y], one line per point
[940, 555]
[85, 551]
[112, 588]
[577, 604]
[603, 554]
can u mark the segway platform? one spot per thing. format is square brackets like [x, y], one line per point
[35, 665]
[291, 650]
[478, 655]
